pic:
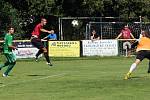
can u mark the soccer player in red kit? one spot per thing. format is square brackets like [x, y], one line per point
[36, 41]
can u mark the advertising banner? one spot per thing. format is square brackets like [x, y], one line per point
[25, 50]
[100, 48]
[64, 48]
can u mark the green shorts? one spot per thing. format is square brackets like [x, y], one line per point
[10, 57]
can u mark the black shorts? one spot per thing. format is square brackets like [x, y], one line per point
[143, 54]
[37, 43]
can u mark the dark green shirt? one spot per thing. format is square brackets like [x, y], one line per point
[8, 41]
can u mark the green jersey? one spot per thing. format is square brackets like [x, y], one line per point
[8, 41]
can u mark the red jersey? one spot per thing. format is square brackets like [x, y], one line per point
[37, 30]
[126, 34]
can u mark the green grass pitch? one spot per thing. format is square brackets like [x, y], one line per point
[91, 78]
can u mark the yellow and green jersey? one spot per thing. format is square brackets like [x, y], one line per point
[8, 41]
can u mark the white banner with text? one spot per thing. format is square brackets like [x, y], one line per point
[100, 47]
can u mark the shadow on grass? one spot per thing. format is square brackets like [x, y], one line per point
[139, 77]
[34, 75]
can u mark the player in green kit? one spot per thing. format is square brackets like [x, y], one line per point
[7, 49]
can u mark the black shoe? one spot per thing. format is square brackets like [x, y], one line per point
[148, 71]
[49, 64]
[36, 59]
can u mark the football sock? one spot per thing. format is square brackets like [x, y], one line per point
[132, 68]
[10, 66]
[46, 57]
[3, 65]
[38, 53]
[149, 67]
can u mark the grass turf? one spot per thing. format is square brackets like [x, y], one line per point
[76, 79]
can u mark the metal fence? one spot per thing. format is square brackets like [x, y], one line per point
[79, 28]
[123, 49]
[110, 30]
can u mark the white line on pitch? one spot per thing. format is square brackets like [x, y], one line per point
[42, 78]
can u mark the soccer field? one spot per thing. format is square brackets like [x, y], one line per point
[76, 79]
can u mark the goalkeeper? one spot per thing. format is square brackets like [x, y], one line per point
[143, 51]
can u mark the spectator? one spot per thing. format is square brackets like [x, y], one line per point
[94, 36]
[51, 36]
[125, 33]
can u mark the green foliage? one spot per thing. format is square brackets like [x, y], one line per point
[91, 8]
[40, 7]
[12, 12]
[117, 8]
[9, 16]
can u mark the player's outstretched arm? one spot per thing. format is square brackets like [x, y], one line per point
[47, 31]
[45, 38]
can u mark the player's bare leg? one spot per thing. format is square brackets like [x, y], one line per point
[132, 68]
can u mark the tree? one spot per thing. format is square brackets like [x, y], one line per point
[82, 7]
[9, 16]
[40, 7]
[23, 13]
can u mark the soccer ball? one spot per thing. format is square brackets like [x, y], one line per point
[75, 23]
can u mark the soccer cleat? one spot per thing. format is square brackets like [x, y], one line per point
[36, 59]
[49, 64]
[128, 76]
[4, 75]
[148, 71]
